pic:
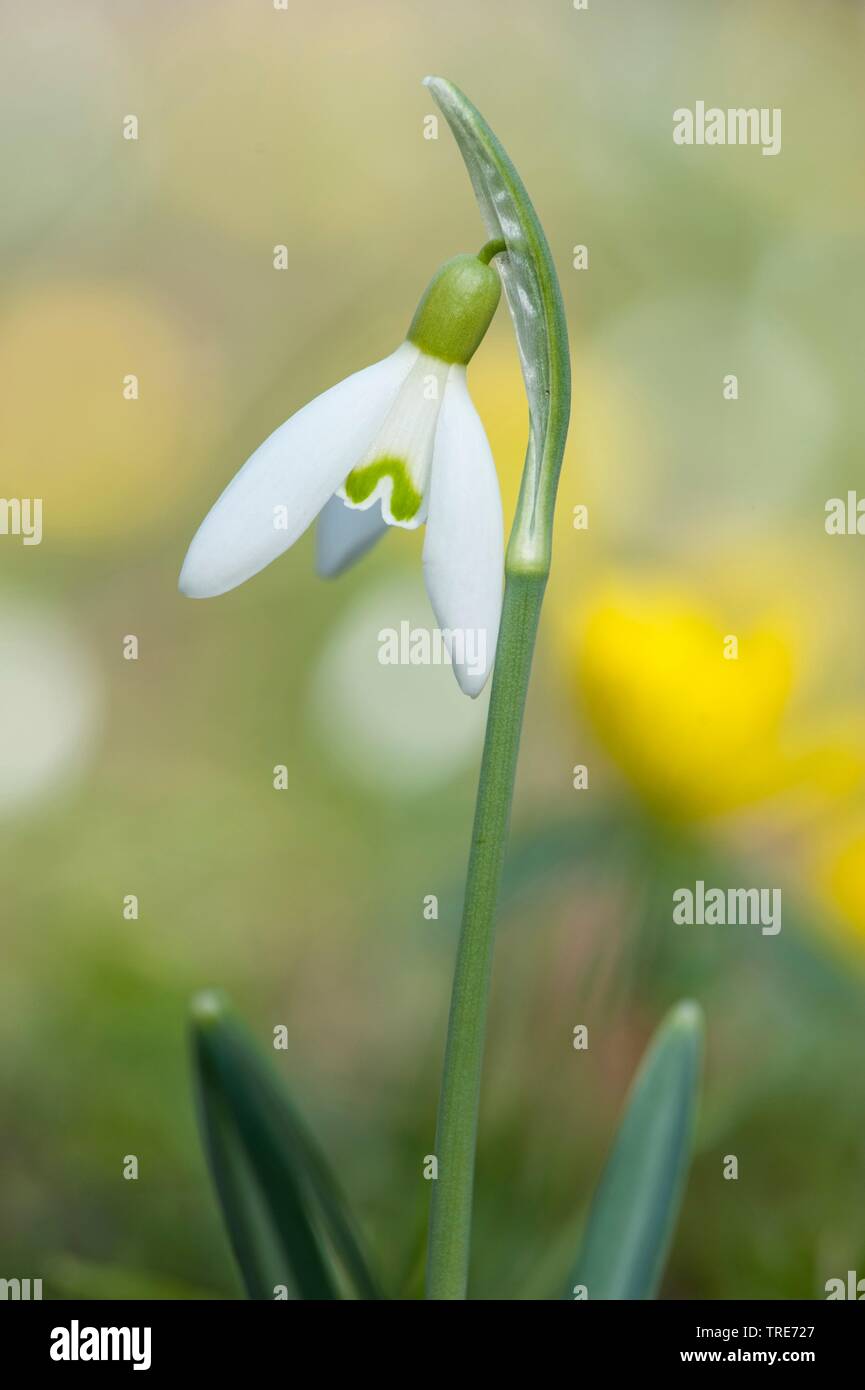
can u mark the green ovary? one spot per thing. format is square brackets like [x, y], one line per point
[405, 499]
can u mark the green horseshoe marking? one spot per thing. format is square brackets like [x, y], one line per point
[405, 500]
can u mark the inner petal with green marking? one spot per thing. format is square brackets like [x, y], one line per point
[405, 500]
[395, 470]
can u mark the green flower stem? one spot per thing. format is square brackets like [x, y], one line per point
[450, 1217]
[535, 302]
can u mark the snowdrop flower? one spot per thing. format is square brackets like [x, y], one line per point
[396, 444]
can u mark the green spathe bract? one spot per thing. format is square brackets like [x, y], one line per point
[535, 301]
[456, 310]
[405, 500]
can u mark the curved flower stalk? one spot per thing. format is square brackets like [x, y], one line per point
[535, 302]
[396, 444]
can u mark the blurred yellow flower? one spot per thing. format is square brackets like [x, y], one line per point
[697, 716]
[840, 876]
[835, 862]
[696, 730]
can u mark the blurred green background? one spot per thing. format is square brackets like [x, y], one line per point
[153, 777]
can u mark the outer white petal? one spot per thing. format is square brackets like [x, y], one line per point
[344, 534]
[284, 485]
[463, 555]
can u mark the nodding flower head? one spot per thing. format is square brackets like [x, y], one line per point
[396, 444]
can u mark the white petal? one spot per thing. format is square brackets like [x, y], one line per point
[463, 556]
[284, 485]
[344, 534]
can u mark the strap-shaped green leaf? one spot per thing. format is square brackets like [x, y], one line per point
[535, 301]
[286, 1219]
[635, 1206]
